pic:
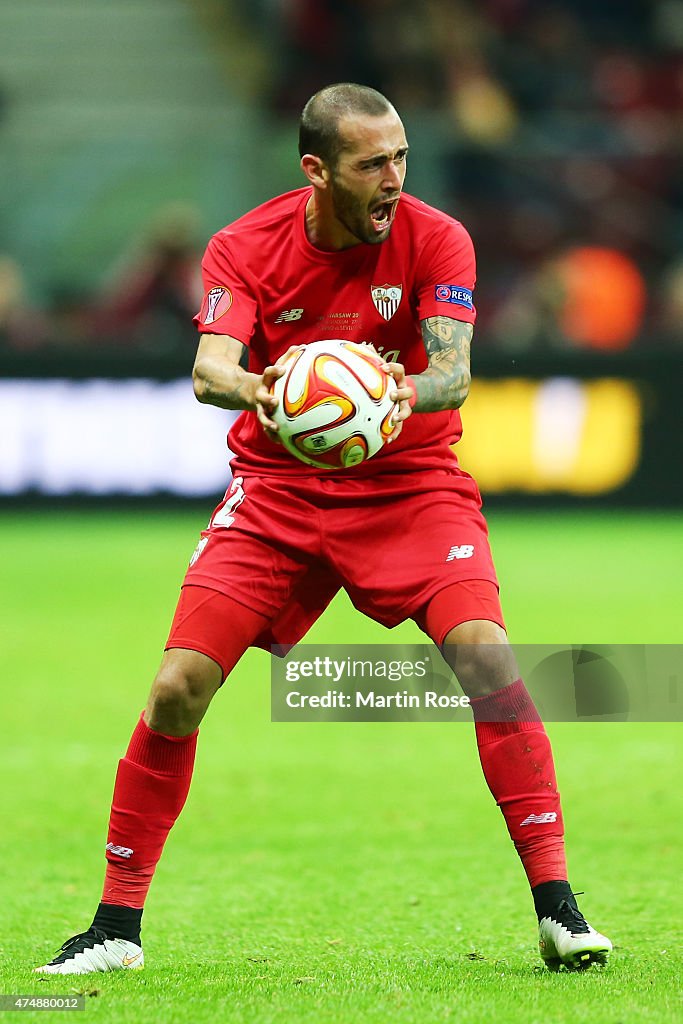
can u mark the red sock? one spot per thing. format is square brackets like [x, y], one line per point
[151, 787]
[517, 759]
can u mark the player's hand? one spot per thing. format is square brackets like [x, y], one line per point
[402, 394]
[265, 403]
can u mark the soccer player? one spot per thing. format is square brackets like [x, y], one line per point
[348, 255]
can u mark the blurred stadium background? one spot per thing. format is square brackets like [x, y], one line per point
[130, 132]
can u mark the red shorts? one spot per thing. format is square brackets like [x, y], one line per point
[283, 548]
[219, 627]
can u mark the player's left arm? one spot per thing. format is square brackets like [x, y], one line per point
[446, 381]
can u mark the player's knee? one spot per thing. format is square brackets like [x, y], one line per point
[181, 692]
[170, 690]
[481, 657]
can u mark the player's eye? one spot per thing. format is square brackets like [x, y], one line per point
[378, 163]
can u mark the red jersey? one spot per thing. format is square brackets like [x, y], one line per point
[267, 286]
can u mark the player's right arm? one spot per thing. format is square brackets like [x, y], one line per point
[217, 376]
[218, 379]
[231, 302]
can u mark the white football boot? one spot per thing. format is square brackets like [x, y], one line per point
[566, 938]
[91, 952]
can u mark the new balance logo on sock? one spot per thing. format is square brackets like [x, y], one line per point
[547, 818]
[119, 851]
[460, 551]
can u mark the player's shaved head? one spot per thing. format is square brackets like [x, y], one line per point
[319, 125]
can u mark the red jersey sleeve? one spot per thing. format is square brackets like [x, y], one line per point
[229, 306]
[446, 275]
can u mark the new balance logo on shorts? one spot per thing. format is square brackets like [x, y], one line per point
[547, 818]
[119, 851]
[287, 315]
[198, 550]
[460, 551]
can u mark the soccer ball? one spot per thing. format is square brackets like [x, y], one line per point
[334, 409]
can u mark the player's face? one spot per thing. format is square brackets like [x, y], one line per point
[366, 183]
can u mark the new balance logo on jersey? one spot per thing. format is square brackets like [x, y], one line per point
[119, 851]
[547, 818]
[288, 315]
[460, 551]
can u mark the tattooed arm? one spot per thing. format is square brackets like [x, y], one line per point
[446, 381]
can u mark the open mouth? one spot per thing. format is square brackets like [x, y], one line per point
[383, 214]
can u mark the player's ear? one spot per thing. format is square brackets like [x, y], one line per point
[315, 170]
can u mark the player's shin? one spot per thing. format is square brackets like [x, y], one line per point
[152, 783]
[517, 761]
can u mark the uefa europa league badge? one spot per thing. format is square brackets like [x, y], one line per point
[386, 299]
[217, 301]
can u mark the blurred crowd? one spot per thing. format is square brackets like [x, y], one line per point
[144, 303]
[560, 135]
[562, 128]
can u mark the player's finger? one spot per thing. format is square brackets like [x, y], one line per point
[285, 355]
[398, 427]
[265, 400]
[263, 394]
[271, 374]
[270, 426]
[395, 370]
[402, 394]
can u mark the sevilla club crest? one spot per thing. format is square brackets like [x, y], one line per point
[387, 298]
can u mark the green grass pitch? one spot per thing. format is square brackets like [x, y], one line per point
[332, 872]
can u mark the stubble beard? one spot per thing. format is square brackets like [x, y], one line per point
[350, 212]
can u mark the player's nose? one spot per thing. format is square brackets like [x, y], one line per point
[392, 179]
